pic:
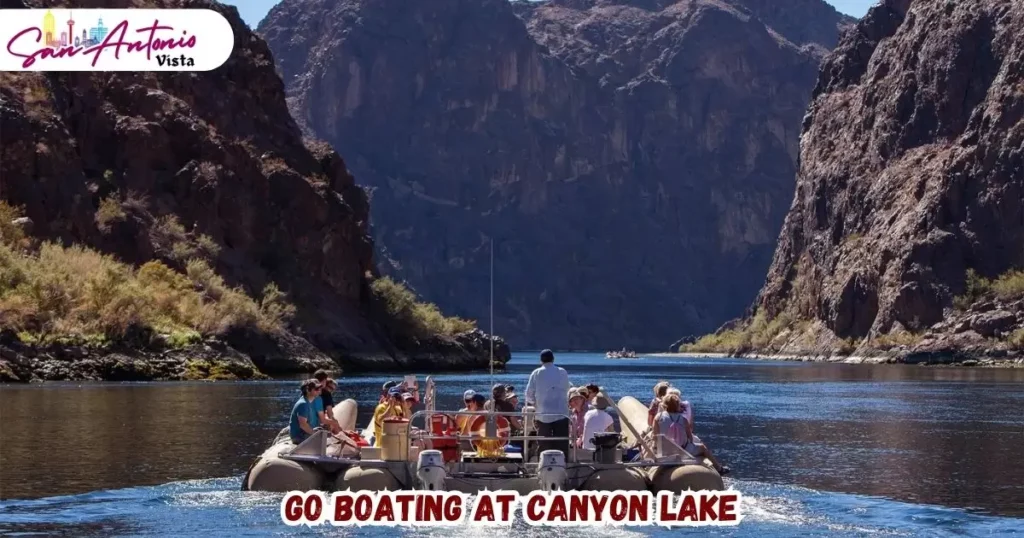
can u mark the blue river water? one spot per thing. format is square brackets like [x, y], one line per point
[816, 450]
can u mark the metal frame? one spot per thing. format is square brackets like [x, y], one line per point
[461, 437]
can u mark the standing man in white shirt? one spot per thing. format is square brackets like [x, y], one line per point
[546, 391]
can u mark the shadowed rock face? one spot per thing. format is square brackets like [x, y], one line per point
[912, 172]
[219, 151]
[632, 161]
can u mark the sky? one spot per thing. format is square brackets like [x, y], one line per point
[253, 11]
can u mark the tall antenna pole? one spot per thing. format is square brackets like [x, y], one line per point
[492, 311]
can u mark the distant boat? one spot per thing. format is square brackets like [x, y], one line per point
[624, 354]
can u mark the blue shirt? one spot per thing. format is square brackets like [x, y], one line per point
[317, 407]
[300, 409]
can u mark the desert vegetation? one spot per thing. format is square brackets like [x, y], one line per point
[757, 334]
[407, 315]
[1007, 286]
[51, 291]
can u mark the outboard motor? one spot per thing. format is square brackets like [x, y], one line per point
[606, 444]
[430, 470]
[551, 470]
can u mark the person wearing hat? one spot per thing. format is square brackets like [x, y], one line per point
[547, 391]
[408, 399]
[384, 395]
[300, 423]
[578, 409]
[391, 408]
[597, 420]
[472, 404]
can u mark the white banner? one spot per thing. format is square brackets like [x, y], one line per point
[113, 40]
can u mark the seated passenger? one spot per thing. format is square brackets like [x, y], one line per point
[577, 409]
[505, 401]
[384, 392]
[392, 408]
[325, 412]
[462, 421]
[300, 425]
[672, 423]
[686, 408]
[660, 389]
[407, 402]
[597, 420]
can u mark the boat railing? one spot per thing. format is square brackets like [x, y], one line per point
[528, 417]
[666, 450]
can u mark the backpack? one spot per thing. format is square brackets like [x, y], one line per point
[677, 432]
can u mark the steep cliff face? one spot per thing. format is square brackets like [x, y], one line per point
[613, 150]
[218, 152]
[912, 174]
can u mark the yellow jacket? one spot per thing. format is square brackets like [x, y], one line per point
[383, 411]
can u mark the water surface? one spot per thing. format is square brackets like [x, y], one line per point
[818, 449]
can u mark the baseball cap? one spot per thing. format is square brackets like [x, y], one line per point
[468, 395]
[394, 391]
[407, 396]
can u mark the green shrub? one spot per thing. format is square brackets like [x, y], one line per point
[207, 247]
[1009, 285]
[406, 314]
[757, 334]
[275, 309]
[109, 212]
[183, 338]
[729, 341]
[975, 287]
[10, 234]
[895, 339]
[1017, 339]
[77, 293]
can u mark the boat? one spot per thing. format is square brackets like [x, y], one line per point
[434, 457]
[624, 354]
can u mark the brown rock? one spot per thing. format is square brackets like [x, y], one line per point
[649, 134]
[219, 151]
[993, 323]
[911, 172]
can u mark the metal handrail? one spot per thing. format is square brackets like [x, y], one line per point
[460, 437]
